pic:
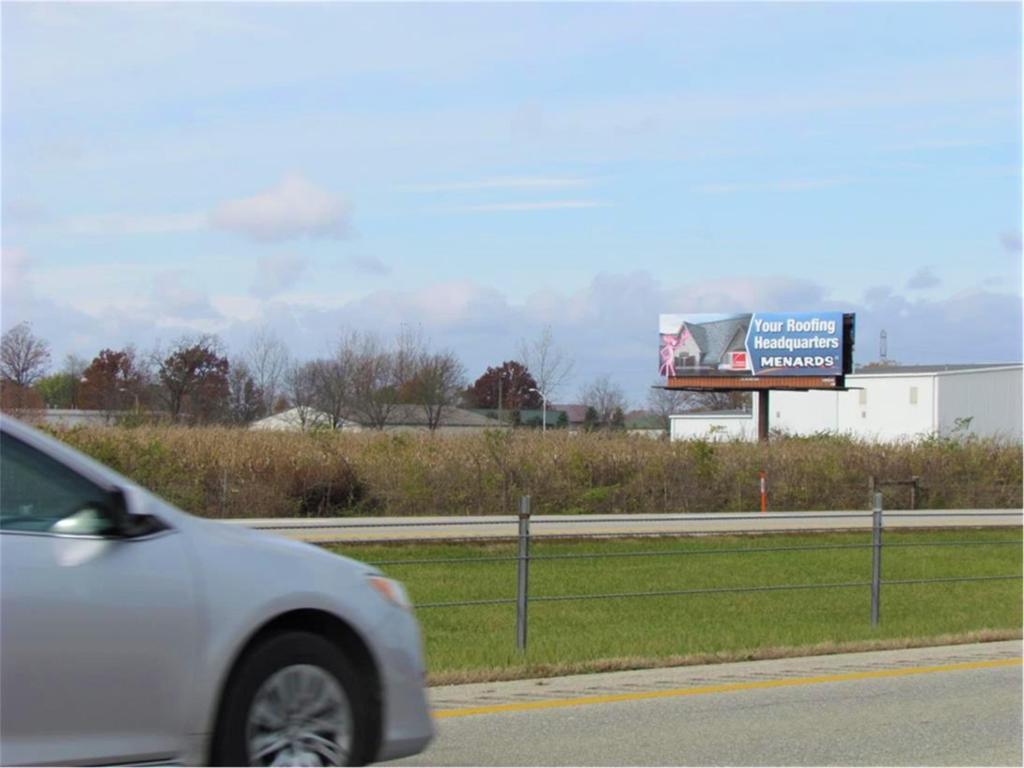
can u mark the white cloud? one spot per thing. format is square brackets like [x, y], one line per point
[782, 185]
[544, 205]
[922, 279]
[294, 208]
[22, 212]
[14, 264]
[609, 325]
[506, 182]
[1012, 242]
[128, 224]
[177, 300]
[975, 326]
[239, 309]
[370, 265]
[278, 272]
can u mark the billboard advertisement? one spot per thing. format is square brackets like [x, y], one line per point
[756, 344]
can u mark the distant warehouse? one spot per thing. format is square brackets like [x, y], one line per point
[885, 403]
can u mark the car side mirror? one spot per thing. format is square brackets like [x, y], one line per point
[130, 512]
[113, 519]
[93, 519]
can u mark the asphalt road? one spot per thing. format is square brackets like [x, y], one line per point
[496, 526]
[957, 705]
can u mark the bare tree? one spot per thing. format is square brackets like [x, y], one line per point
[23, 356]
[408, 354]
[606, 398]
[665, 402]
[332, 380]
[550, 365]
[437, 385]
[375, 380]
[245, 401]
[300, 387]
[74, 369]
[704, 402]
[268, 361]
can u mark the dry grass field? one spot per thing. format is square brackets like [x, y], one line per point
[223, 472]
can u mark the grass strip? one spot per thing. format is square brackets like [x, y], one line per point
[711, 622]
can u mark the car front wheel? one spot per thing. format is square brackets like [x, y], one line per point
[294, 700]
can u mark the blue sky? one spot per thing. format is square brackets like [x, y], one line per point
[483, 170]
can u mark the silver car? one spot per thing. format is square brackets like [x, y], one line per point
[131, 632]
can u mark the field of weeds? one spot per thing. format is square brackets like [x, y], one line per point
[223, 472]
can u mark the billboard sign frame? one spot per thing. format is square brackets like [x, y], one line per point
[756, 351]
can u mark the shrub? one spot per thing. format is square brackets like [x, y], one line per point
[222, 472]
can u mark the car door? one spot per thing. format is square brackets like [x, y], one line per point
[97, 631]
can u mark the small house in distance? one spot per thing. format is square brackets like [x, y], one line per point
[401, 418]
[303, 419]
[885, 403]
[453, 421]
[575, 414]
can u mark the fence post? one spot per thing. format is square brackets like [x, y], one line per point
[872, 487]
[876, 558]
[523, 572]
[224, 494]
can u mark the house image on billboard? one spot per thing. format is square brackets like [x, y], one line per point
[714, 345]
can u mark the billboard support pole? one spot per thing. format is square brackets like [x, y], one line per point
[762, 415]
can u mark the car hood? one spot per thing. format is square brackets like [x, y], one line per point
[255, 541]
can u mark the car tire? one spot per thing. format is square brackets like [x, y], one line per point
[288, 701]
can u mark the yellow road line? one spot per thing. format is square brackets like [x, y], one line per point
[725, 688]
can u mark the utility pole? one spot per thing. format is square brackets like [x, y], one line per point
[543, 409]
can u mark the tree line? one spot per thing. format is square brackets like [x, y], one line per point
[363, 378]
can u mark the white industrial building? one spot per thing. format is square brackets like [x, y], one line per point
[892, 403]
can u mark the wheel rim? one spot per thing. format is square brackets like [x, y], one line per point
[299, 716]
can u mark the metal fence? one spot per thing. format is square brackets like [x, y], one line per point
[525, 536]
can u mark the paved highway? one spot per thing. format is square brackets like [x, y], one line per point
[496, 526]
[957, 705]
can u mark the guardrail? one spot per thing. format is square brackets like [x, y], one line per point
[525, 536]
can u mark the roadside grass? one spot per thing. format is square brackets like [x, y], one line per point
[478, 642]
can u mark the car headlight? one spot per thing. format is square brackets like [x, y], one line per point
[390, 590]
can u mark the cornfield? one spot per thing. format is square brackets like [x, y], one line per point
[222, 472]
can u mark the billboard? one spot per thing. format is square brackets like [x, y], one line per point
[807, 345]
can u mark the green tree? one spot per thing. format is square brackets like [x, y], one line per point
[58, 390]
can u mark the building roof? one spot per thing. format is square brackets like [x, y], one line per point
[897, 370]
[577, 414]
[716, 338]
[294, 418]
[416, 416]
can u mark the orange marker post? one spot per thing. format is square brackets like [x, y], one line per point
[764, 493]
